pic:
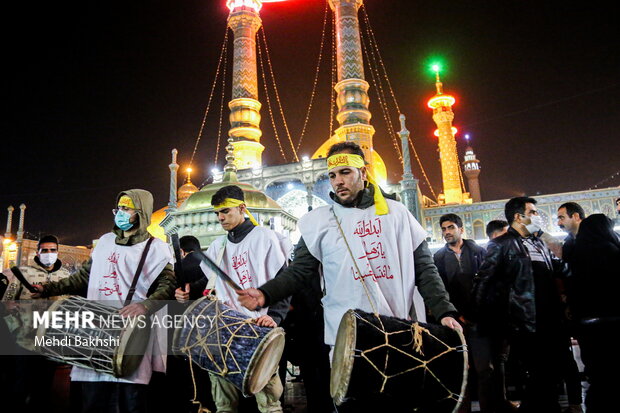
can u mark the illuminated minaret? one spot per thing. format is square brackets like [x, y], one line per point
[450, 165]
[352, 90]
[245, 132]
[471, 169]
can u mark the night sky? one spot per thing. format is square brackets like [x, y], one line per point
[100, 92]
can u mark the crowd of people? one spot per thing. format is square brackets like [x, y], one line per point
[521, 298]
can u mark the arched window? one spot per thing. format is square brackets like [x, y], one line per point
[479, 229]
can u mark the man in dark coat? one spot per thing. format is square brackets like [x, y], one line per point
[516, 292]
[457, 262]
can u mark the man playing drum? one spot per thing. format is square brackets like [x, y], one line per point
[108, 276]
[251, 255]
[394, 261]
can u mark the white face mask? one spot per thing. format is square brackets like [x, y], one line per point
[535, 225]
[49, 258]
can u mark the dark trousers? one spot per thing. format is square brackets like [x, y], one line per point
[487, 355]
[570, 373]
[111, 397]
[539, 355]
[29, 388]
[178, 386]
[602, 363]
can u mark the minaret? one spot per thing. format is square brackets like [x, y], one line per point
[471, 169]
[9, 222]
[408, 184]
[174, 167]
[245, 132]
[20, 235]
[443, 117]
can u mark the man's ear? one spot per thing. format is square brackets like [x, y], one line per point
[364, 173]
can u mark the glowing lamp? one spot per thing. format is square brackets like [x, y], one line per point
[189, 170]
[441, 100]
[251, 4]
[454, 131]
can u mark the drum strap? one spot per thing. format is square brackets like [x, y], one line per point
[132, 289]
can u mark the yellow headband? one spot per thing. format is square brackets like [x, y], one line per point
[126, 202]
[356, 161]
[231, 203]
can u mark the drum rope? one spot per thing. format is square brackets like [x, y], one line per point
[224, 348]
[195, 400]
[417, 332]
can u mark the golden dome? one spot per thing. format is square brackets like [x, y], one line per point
[154, 228]
[186, 190]
[254, 199]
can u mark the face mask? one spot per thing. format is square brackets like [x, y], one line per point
[535, 225]
[48, 259]
[121, 219]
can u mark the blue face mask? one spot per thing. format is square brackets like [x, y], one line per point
[121, 219]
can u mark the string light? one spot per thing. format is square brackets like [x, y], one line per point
[204, 118]
[372, 65]
[219, 127]
[275, 88]
[332, 90]
[273, 123]
[316, 77]
[612, 176]
[387, 79]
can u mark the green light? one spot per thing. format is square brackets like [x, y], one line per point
[436, 68]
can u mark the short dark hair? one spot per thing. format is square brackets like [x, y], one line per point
[617, 201]
[347, 147]
[189, 243]
[452, 218]
[573, 208]
[495, 225]
[47, 238]
[229, 191]
[517, 206]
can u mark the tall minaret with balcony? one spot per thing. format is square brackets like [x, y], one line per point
[443, 116]
[244, 21]
[352, 88]
[471, 169]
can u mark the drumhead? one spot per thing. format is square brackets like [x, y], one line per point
[128, 355]
[343, 357]
[264, 362]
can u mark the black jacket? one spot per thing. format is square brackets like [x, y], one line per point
[458, 281]
[192, 273]
[504, 287]
[595, 263]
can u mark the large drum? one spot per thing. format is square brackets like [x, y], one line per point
[114, 346]
[422, 367]
[229, 344]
